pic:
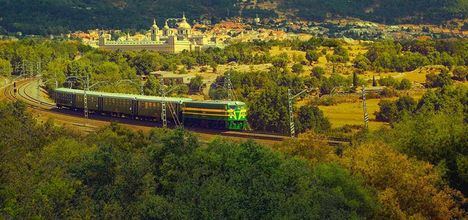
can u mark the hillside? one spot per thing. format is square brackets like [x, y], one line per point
[59, 16]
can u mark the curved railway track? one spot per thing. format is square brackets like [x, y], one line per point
[76, 118]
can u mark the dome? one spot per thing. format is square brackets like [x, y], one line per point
[184, 24]
[166, 26]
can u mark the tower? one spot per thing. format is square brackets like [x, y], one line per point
[102, 38]
[154, 31]
[184, 29]
[166, 29]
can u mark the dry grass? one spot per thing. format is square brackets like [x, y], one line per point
[352, 114]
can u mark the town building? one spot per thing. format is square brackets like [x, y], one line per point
[166, 40]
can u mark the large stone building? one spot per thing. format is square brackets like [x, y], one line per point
[166, 40]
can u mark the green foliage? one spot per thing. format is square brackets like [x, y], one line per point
[269, 112]
[318, 72]
[361, 62]
[409, 55]
[438, 80]
[405, 84]
[196, 84]
[439, 138]
[387, 10]
[311, 118]
[280, 61]
[297, 68]
[5, 68]
[393, 111]
[388, 81]
[117, 173]
[460, 73]
[152, 86]
[312, 56]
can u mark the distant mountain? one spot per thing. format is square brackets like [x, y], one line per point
[386, 11]
[59, 16]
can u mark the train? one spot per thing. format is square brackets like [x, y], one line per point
[226, 115]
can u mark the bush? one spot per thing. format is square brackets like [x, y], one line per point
[388, 111]
[317, 72]
[438, 80]
[460, 73]
[297, 68]
[388, 81]
[311, 118]
[388, 92]
[405, 84]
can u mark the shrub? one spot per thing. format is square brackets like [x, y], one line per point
[388, 92]
[460, 73]
[438, 80]
[405, 84]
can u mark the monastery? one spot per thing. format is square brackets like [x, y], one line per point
[165, 40]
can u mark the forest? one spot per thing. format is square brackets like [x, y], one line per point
[414, 169]
[60, 16]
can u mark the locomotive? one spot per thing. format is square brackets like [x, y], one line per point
[228, 115]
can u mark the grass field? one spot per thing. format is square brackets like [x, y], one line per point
[352, 114]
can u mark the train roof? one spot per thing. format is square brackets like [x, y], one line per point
[126, 96]
[223, 102]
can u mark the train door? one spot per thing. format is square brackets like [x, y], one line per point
[134, 107]
[73, 100]
[100, 104]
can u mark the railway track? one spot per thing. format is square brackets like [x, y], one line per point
[75, 118]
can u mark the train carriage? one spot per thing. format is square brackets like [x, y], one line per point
[230, 115]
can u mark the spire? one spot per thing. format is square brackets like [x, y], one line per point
[183, 16]
[155, 26]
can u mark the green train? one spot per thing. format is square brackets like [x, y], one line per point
[229, 115]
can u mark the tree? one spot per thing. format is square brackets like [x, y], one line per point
[392, 111]
[406, 187]
[312, 56]
[280, 62]
[460, 73]
[5, 67]
[297, 68]
[361, 62]
[438, 80]
[144, 63]
[269, 111]
[152, 86]
[388, 81]
[196, 84]
[311, 118]
[374, 83]
[355, 80]
[388, 111]
[405, 84]
[438, 138]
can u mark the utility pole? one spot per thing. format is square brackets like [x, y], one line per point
[163, 104]
[85, 97]
[228, 86]
[291, 114]
[364, 107]
[291, 111]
